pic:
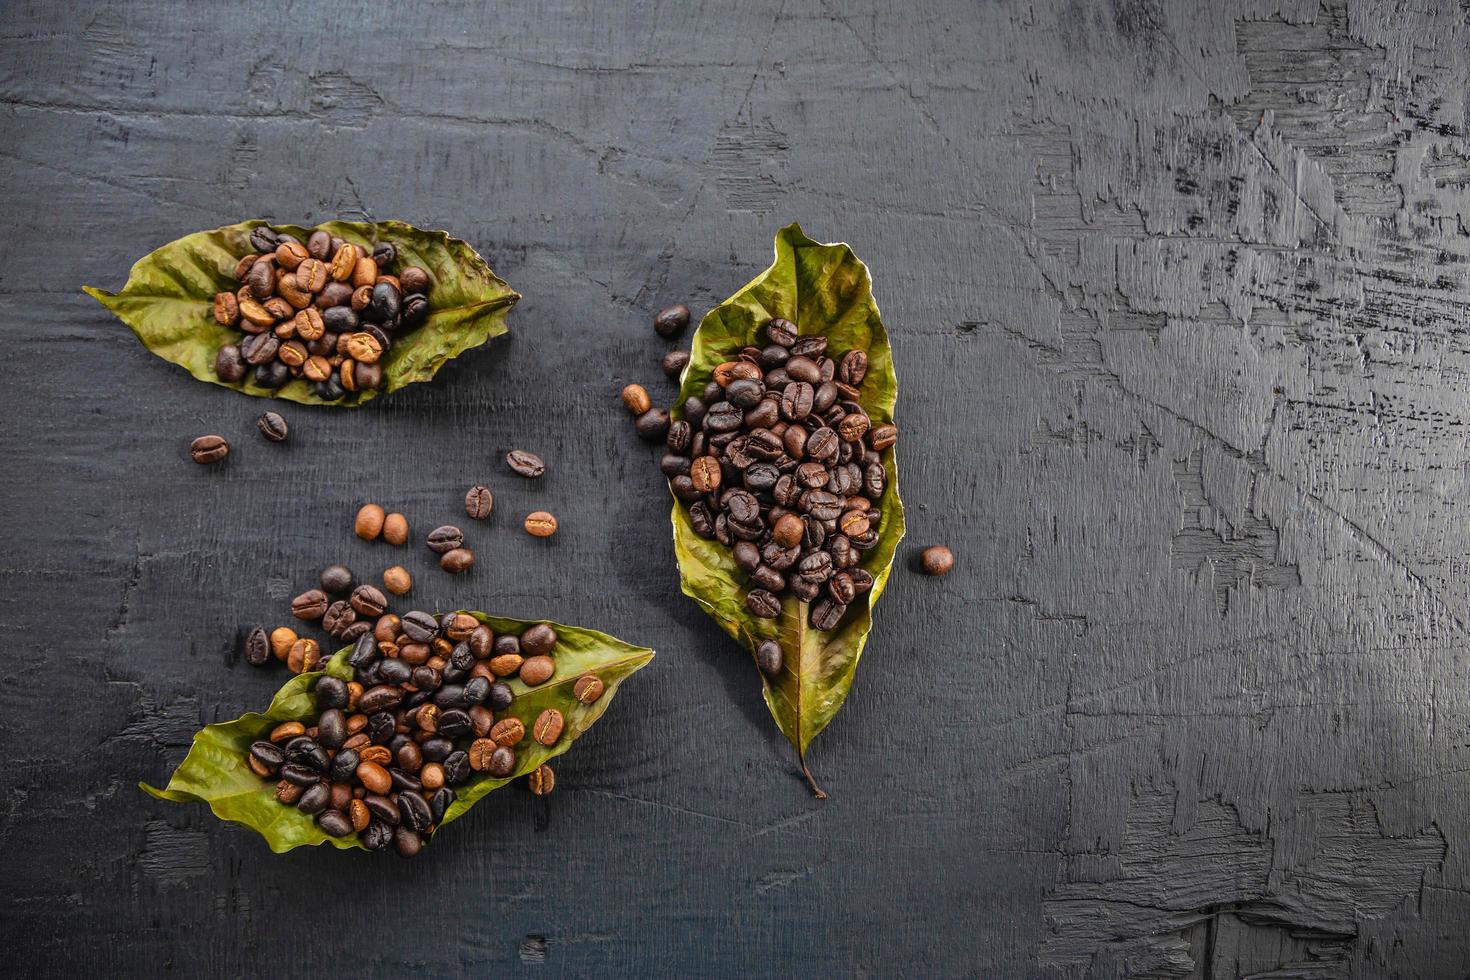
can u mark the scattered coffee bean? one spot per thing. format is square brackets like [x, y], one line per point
[540, 524]
[525, 464]
[282, 637]
[369, 523]
[636, 400]
[537, 670]
[395, 529]
[589, 688]
[257, 648]
[456, 561]
[369, 601]
[937, 560]
[272, 426]
[209, 449]
[769, 657]
[397, 580]
[542, 780]
[336, 579]
[444, 539]
[671, 322]
[674, 362]
[309, 605]
[652, 425]
[478, 501]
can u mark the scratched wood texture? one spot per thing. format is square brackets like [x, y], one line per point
[1178, 297]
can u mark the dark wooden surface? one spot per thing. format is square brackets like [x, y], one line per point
[1177, 292]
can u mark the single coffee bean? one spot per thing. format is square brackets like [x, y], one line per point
[781, 332]
[369, 523]
[309, 605]
[209, 449]
[502, 762]
[937, 560]
[229, 365]
[588, 689]
[695, 409]
[420, 627]
[769, 658]
[336, 579]
[763, 604]
[826, 614]
[678, 437]
[538, 640]
[257, 648]
[268, 754]
[525, 464]
[369, 601]
[537, 670]
[747, 555]
[457, 561]
[704, 472]
[478, 502]
[507, 731]
[338, 617]
[768, 578]
[331, 692]
[395, 529]
[397, 580]
[853, 367]
[444, 538]
[548, 727]
[540, 524]
[723, 417]
[407, 843]
[674, 362]
[745, 393]
[652, 425]
[636, 400]
[315, 798]
[413, 811]
[881, 437]
[842, 588]
[671, 321]
[542, 780]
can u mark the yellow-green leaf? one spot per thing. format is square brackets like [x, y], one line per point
[825, 290]
[168, 302]
[217, 772]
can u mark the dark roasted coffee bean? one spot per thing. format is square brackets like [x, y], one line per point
[379, 698]
[810, 346]
[525, 463]
[381, 725]
[385, 303]
[538, 640]
[742, 507]
[804, 589]
[385, 254]
[875, 479]
[773, 356]
[330, 390]
[338, 617]
[673, 466]
[880, 437]
[267, 754]
[476, 690]
[862, 580]
[369, 600]
[420, 627]
[455, 723]
[787, 490]
[763, 604]
[765, 414]
[821, 445]
[500, 697]
[695, 409]
[824, 397]
[796, 401]
[826, 614]
[311, 604]
[673, 363]
[700, 520]
[449, 696]
[769, 658]
[768, 578]
[671, 322]
[678, 436]
[300, 774]
[683, 488]
[336, 579]
[263, 239]
[478, 502]
[259, 348]
[804, 369]
[344, 766]
[822, 505]
[340, 320]
[394, 671]
[816, 566]
[331, 692]
[811, 475]
[853, 368]
[723, 417]
[652, 425]
[257, 648]
[781, 332]
[747, 555]
[209, 449]
[456, 768]
[866, 541]
[229, 364]
[780, 557]
[457, 560]
[761, 477]
[334, 822]
[415, 310]
[842, 588]
[413, 811]
[378, 836]
[382, 808]
[407, 843]
[444, 539]
[315, 799]
[402, 780]
[745, 393]
[271, 375]
[502, 762]
[440, 802]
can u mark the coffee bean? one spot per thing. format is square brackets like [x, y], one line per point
[671, 322]
[652, 425]
[542, 780]
[336, 579]
[397, 580]
[395, 529]
[478, 502]
[444, 538]
[501, 697]
[369, 601]
[853, 367]
[636, 400]
[314, 799]
[769, 658]
[882, 437]
[704, 472]
[525, 464]
[781, 332]
[229, 365]
[311, 604]
[548, 727]
[763, 604]
[369, 523]
[674, 362]
[937, 560]
[456, 561]
[537, 670]
[257, 648]
[338, 617]
[588, 689]
[420, 627]
[209, 449]
[826, 614]
[540, 524]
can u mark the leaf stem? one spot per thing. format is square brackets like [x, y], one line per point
[817, 791]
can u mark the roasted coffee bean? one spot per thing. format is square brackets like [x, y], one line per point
[395, 529]
[315, 799]
[420, 627]
[537, 670]
[338, 617]
[678, 437]
[381, 697]
[229, 364]
[769, 658]
[444, 538]
[761, 477]
[331, 728]
[364, 653]
[413, 811]
[674, 362]
[257, 648]
[525, 464]
[723, 417]
[369, 522]
[768, 578]
[745, 393]
[695, 410]
[747, 555]
[309, 605]
[331, 693]
[853, 367]
[502, 762]
[540, 524]
[763, 604]
[881, 437]
[368, 601]
[385, 303]
[704, 473]
[273, 427]
[457, 561]
[407, 843]
[267, 754]
[209, 449]
[501, 697]
[397, 580]
[700, 520]
[937, 560]
[781, 332]
[671, 322]
[673, 466]
[652, 425]
[636, 400]
[588, 689]
[842, 588]
[773, 356]
[478, 502]
[542, 780]
[796, 401]
[826, 614]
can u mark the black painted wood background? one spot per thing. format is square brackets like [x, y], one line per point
[1177, 292]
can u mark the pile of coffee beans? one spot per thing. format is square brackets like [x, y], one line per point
[426, 711]
[777, 460]
[325, 310]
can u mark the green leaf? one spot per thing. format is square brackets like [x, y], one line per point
[216, 770]
[168, 302]
[826, 290]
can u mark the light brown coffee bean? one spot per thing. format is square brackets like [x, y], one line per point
[311, 275]
[374, 778]
[344, 262]
[412, 279]
[432, 776]
[288, 792]
[542, 781]
[457, 561]
[286, 730]
[589, 688]
[480, 752]
[378, 755]
[362, 297]
[537, 670]
[395, 529]
[540, 524]
[226, 309]
[305, 656]
[209, 449]
[279, 308]
[242, 268]
[256, 313]
[369, 523]
[548, 727]
[311, 604]
[397, 580]
[309, 325]
[281, 639]
[365, 272]
[508, 731]
[506, 664]
[363, 347]
[289, 255]
[317, 368]
[635, 398]
[937, 560]
[360, 815]
[704, 472]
